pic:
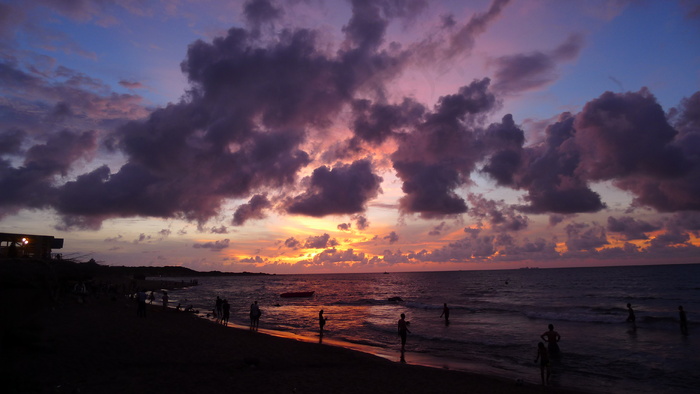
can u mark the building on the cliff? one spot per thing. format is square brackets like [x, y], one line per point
[28, 245]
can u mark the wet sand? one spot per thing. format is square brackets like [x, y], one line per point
[101, 346]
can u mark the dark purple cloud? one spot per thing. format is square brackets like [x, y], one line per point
[429, 189]
[214, 246]
[555, 219]
[620, 135]
[12, 140]
[361, 222]
[42, 103]
[500, 216]
[142, 238]
[60, 151]
[692, 8]
[630, 227]
[539, 245]
[671, 238]
[240, 129]
[472, 232]
[548, 172]
[320, 242]
[131, 84]
[585, 237]
[219, 230]
[392, 237]
[374, 123]
[438, 157]
[476, 248]
[627, 138]
[334, 258]
[463, 40]
[390, 258]
[517, 73]
[344, 189]
[256, 105]
[258, 12]
[254, 209]
[687, 220]
[438, 230]
[687, 116]
[367, 26]
[292, 243]
[31, 185]
[505, 141]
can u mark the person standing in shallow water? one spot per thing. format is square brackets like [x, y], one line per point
[226, 310]
[321, 321]
[552, 338]
[218, 309]
[684, 320]
[543, 357]
[631, 318]
[446, 313]
[403, 331]
[165, 300]
[254, 315]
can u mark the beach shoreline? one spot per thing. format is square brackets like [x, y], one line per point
[391, 354]
[102, 346]
[56, 341]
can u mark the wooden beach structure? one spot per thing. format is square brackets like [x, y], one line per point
[28, 245]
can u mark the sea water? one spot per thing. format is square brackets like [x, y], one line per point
[496, 319]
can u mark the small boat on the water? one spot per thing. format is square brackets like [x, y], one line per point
[296, 294]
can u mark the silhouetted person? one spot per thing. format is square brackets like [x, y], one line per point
[543, 357]
[226, 310]
[403, 331]
[631, 318]
[219, 309]
[551, 337]
[446, 313]
[12, 250]
[321, 321]
[81, 290]
[255, 313]
[141, 300]
[165, 300]
[684, 320]
[151, 298]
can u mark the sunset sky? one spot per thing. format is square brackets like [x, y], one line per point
[304, 136]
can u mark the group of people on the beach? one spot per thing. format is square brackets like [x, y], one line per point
[547, 350]
[632, 319]
[551, 338]
[546, 354]
[222, 310]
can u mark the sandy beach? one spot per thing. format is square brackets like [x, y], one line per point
[60, 345]
[103, 347]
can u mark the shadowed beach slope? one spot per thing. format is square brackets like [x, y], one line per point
[101, 346]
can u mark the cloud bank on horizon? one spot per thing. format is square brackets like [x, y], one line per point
[282, 120]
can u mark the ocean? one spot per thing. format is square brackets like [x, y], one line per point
[496, 319]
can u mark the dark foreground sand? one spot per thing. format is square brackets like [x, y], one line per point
[103, 347]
